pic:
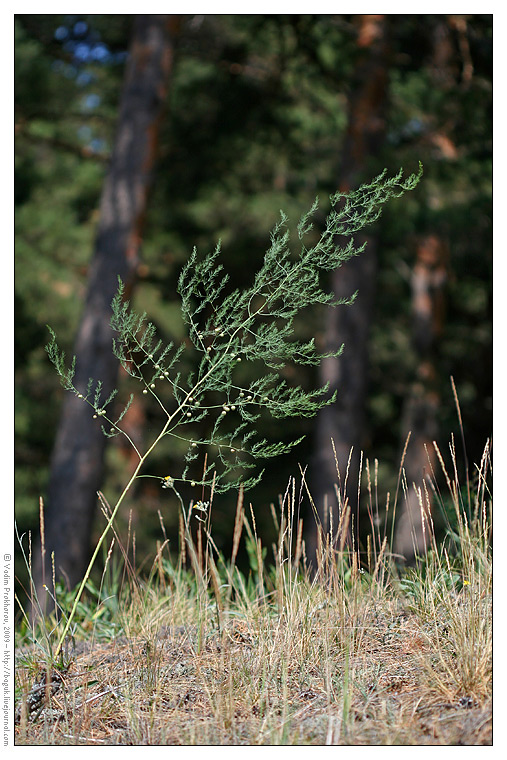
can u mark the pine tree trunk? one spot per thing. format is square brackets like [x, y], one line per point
[344, 421]
[420, 418]
[78, 456]
[429, 276]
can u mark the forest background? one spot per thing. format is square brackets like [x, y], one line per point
[262, 113]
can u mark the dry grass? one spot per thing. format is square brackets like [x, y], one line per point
[347, 655]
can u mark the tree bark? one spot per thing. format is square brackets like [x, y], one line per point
[420, 419]
[429, 277]
[344, 421]
[76, 469]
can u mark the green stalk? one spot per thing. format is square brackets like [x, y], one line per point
[103, 536]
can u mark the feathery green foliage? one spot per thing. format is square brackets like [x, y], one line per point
[253, 325]
[225, 329]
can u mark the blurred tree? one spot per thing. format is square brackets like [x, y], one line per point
[420, 422]
[77, 460]
[447, 63]
[428, 280]
[348, 374]
[56, 189]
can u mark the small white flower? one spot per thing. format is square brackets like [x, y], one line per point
[201, 506]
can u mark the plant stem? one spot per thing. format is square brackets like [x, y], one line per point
[103, 536]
